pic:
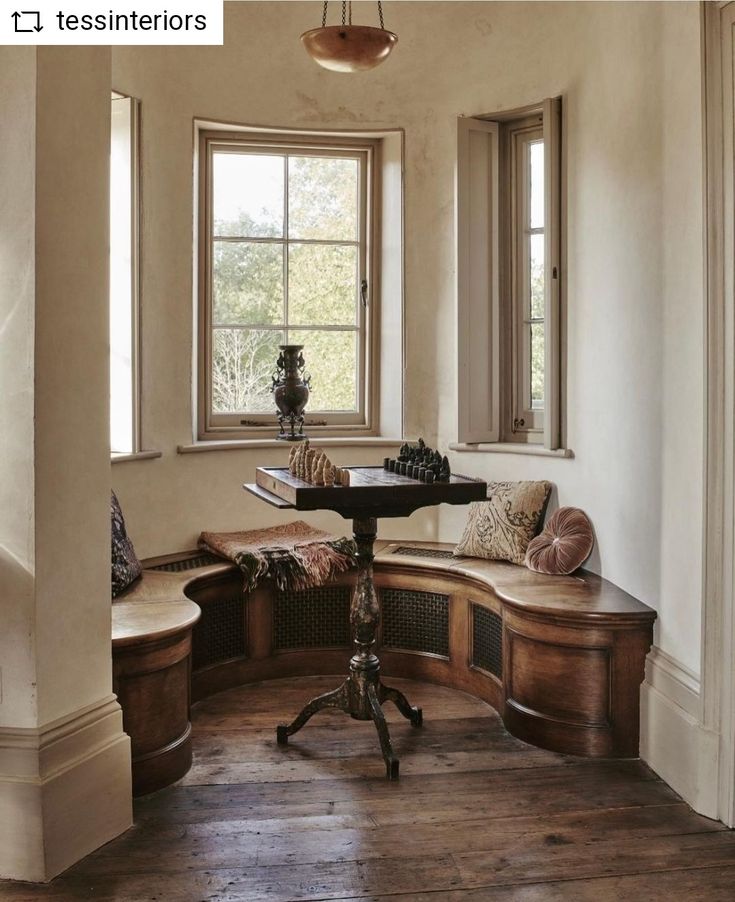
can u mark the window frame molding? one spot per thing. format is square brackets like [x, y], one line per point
[208, 427]
[487, 331]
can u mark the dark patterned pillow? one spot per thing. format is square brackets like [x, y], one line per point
[501, 527]
[125, 564]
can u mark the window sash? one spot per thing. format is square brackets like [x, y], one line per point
[525, 419]
[243, 422]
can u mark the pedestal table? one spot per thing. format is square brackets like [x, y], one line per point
[373, 492]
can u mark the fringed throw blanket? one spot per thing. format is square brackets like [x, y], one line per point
[294, 556]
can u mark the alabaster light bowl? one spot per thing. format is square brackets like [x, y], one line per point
[348, 48]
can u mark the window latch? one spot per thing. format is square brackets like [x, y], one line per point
[363, 293]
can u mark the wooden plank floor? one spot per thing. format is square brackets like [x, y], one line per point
[477, 815]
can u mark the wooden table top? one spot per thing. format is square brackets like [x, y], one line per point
[372, 492]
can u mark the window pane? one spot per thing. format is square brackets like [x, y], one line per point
[247, 283]
[322, 198]
[122, 297]
[243, 361]
[331, 359]
[322, 285]
[537, 366]
[536, 156]
[247, 195]
[537, 276]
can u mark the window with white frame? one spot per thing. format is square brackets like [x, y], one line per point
[286, 256]
[124, 211]
[509, 277]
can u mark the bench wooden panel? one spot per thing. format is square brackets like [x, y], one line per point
[151, 676]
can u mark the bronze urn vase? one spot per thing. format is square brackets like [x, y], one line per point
[291, 392]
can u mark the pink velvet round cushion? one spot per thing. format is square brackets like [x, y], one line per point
[563, 545]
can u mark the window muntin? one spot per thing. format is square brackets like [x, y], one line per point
[287, 248]
[124, 213]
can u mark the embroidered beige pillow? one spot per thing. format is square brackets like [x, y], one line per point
[501, 527]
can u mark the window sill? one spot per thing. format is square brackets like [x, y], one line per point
[256, 443]
[511, 448]
[136, 455]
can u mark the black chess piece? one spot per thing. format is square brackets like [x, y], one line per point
[445, 471]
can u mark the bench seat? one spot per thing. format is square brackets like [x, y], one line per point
[560, 658]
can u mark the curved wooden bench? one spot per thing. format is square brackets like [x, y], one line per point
[151, 674]
[560, 658]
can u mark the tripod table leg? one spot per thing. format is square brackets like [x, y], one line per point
[408, 710]
[336, 698]
[391, 762]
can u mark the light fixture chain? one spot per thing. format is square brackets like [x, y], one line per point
[347, 13]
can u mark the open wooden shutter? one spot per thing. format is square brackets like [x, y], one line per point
[478, 327]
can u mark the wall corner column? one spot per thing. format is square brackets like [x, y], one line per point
[64, 758]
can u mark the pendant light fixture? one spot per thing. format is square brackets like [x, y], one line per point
[348, 47]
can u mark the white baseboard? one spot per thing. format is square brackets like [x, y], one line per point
[673, 741]
[65, 790]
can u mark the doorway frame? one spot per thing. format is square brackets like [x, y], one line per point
[717, 698]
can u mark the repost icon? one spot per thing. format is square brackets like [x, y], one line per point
[27, 21]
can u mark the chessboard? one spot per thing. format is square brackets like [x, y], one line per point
[373, 491]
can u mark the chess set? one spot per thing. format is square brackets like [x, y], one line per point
[419, 462]
[419, 476]
[415, 461]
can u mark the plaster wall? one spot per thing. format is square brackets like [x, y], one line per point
[635, 309]
[72, 376]
[17, 287]
[629, 74]
[54, 456]
[682, 338]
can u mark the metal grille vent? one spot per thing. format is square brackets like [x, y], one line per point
[312, 618]
[416, 621]
[219, 634]
[423, 552]
[487, 640]
[189, 563]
